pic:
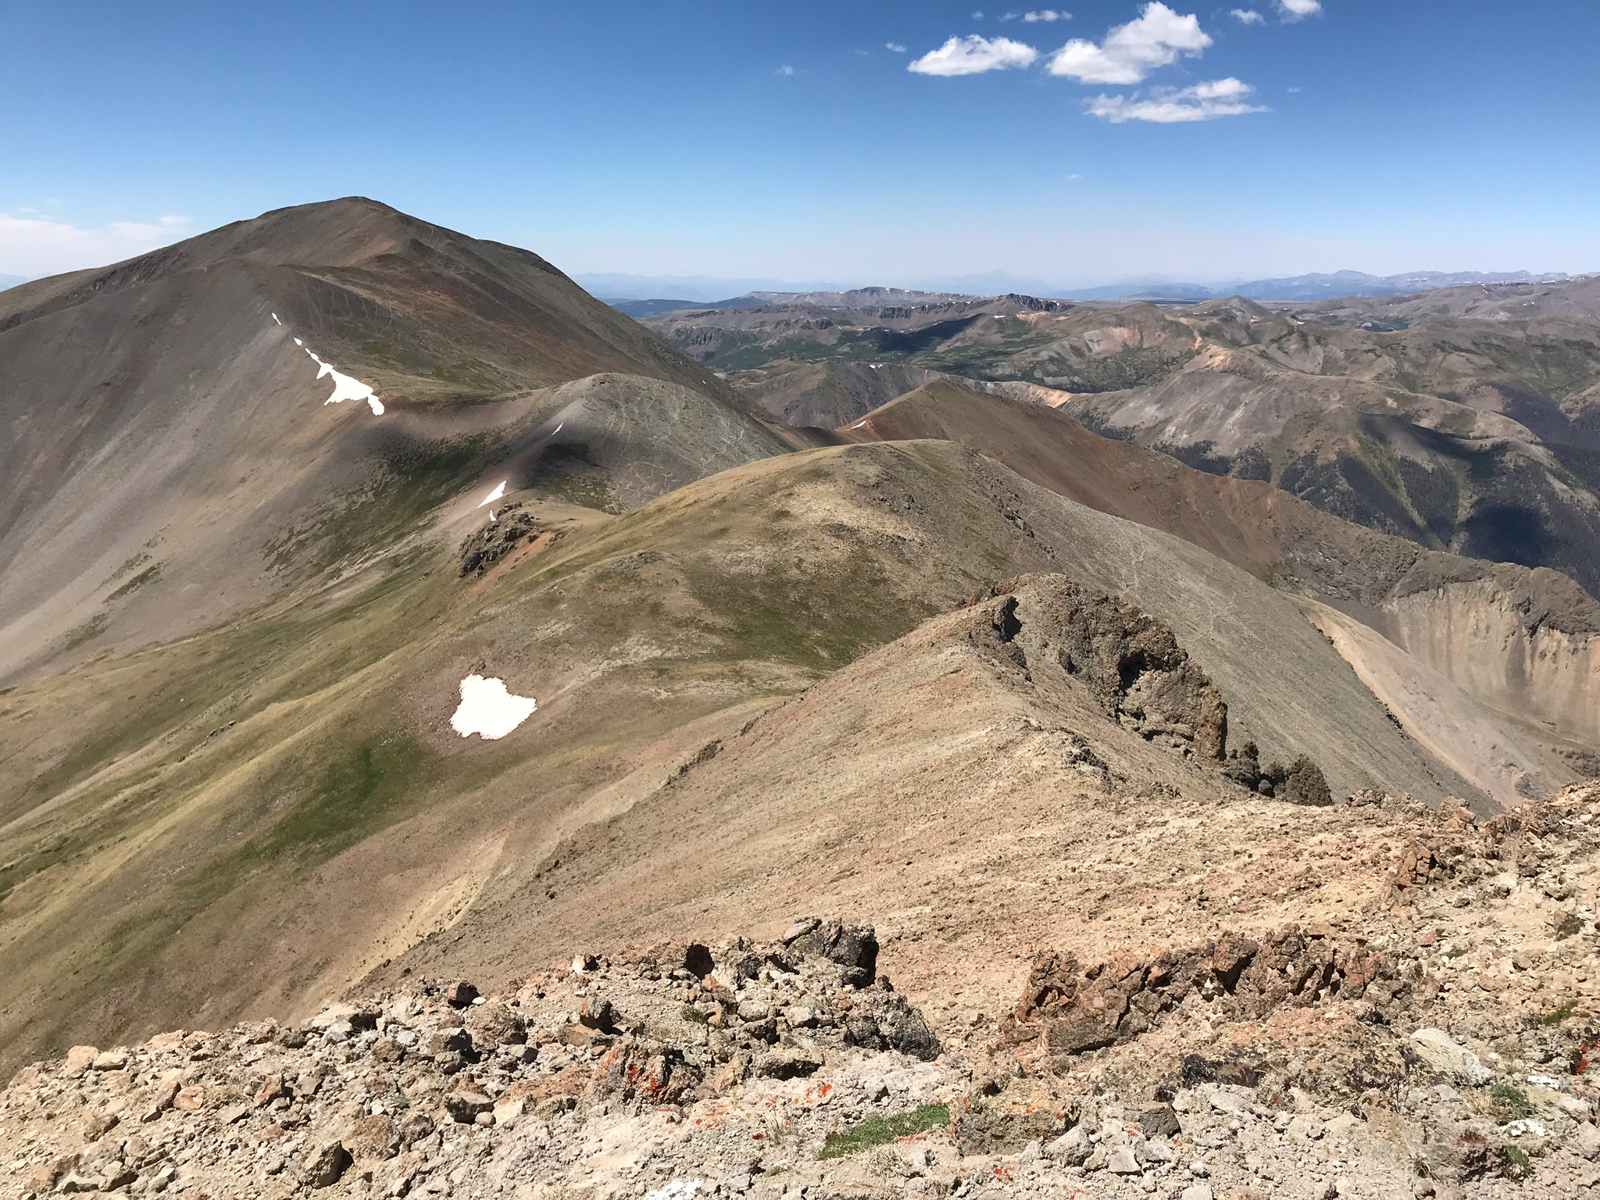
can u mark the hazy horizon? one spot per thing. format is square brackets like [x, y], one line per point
[904, 142]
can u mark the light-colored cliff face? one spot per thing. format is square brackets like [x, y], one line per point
[1473, 633]
[1509, 760]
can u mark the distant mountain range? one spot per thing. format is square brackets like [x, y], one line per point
[642, 296]
[1309, 287]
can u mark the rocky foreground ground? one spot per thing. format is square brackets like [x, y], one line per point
[1434, 1043]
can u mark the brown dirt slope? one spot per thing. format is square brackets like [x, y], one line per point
[246, 821]
[1524, 642]
[172, 461]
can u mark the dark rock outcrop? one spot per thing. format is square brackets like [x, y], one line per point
[1130, 663]
[1070, 1008]
[853, 947]
[512, 527]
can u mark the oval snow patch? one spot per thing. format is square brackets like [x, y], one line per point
[488, 710]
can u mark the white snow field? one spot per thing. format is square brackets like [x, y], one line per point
[488, 710]
[347, 387]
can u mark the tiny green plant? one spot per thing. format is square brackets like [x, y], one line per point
[694, 1015]
[880, 1130]
[1512, 1099]
[1558, 1016]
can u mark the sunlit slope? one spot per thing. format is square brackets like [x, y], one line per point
[241, 821]
[172, 458]
[1463, 419]
[1526, 643]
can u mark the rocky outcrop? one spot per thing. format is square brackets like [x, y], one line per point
[1069, 1007]
[1301, 782]
[1130, 663]
[511, 527]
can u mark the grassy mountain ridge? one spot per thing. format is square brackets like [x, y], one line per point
[238, 620]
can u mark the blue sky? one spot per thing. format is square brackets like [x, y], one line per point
[789, 141]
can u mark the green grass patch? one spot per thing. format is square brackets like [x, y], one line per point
[1557, 1016]
[1508, 1098]
[150, 574]
[88, 631]
[694, 1016]
[879, 1131]
[353, 796]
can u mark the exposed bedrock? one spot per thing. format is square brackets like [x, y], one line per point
[1130, 663]
[1487, 640]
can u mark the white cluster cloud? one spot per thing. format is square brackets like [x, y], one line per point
[1166, 106]
[973, 55]
[35, 246]
[894, 47]
[1130, 52]
[1127, 54]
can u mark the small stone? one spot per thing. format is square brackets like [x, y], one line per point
[79, 1059]
[1155, 1150]
[190, 1099]
[1159, 1121]
[460, 994]
[1303, 1128]
[1585, 1141]
[465, 1105]
[111, 1060]
[160, 1098]
[272, 1087]
[506, 1112]
[799, 929]
[1345, 1125]
[800, 1016]
[1121, 1162]
[596, 1012]
[1441, 1052]
[1196, 1191]
[325, 1164]
[97, 1123]
[788, 1062]
[1072, 1148]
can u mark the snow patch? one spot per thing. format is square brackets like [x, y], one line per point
[558, 429]
[488, 710]
[346, 387]
[859, 423]
[500, 490]
[275, 319]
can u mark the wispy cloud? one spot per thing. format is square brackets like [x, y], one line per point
[34, 246]
[1130, 52]
[1047, 15]
[1247, 16]
[786, 70]
[894, 47]
[973, 55]
[1294, 10]
[1167, 106]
